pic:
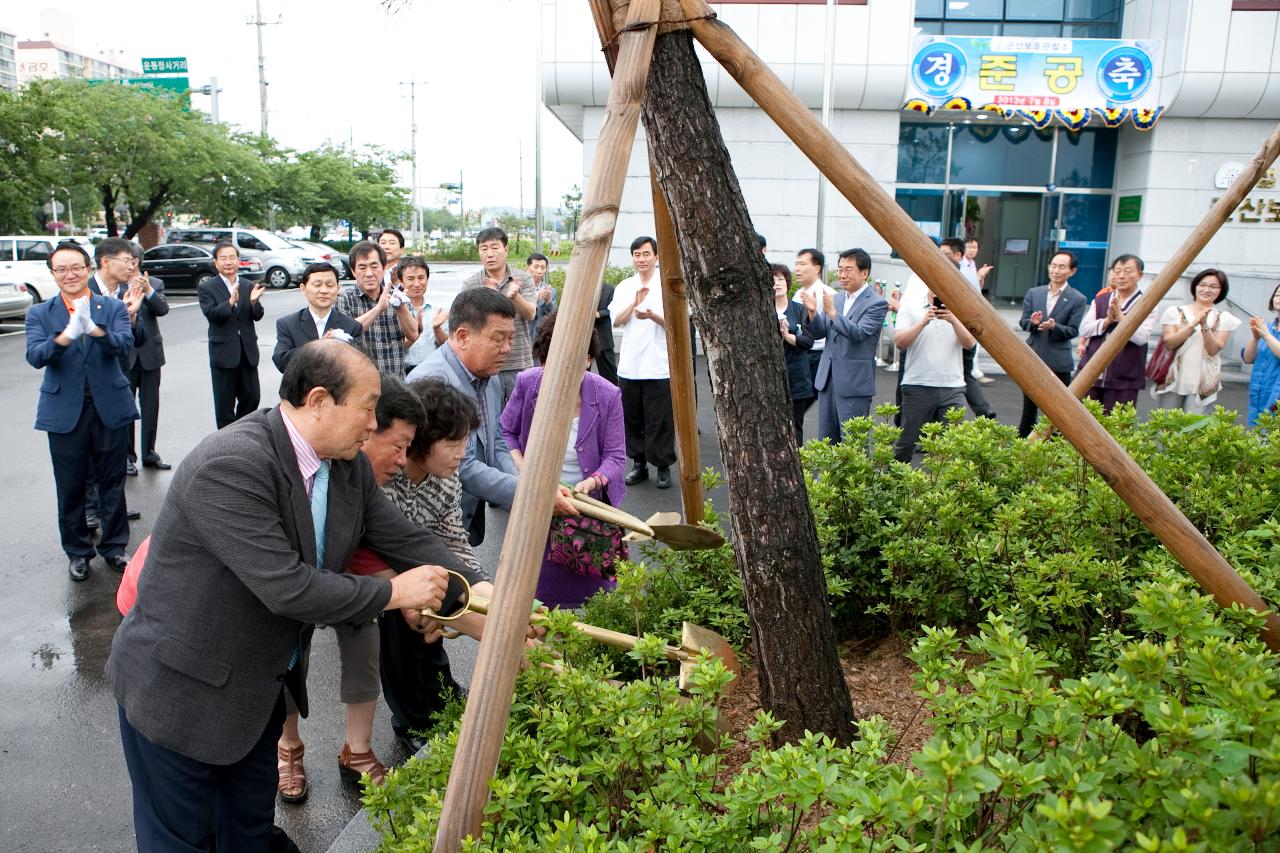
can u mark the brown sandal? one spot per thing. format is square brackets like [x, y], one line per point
[352, 764]
[292, 784]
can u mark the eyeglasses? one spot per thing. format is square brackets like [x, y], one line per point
[124, 259]
[64, 271]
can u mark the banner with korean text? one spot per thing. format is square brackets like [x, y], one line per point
[1038, 77]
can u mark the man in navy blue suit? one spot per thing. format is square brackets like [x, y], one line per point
[85, 404]
[850, 321]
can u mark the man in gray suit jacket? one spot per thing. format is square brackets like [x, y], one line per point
[481, 325]
[1051, 314]
[234, 582]
[851, 322]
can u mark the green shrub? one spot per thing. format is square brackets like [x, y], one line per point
[992, 522]
[1174, 745]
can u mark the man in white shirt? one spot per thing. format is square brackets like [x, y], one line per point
[954, 251]
[643, 368]
[933, 340]
[809, 267]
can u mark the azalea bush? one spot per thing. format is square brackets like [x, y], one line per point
[1173, 745]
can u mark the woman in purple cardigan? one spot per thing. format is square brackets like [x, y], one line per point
[594, 459]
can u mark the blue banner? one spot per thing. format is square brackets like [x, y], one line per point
[1032, 74]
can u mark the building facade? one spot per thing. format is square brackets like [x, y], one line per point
[8, 60]
[1184, 92]
[43, 58]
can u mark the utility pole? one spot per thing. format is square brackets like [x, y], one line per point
[828, 74]
[537, 139]
[416, 222]
[262, 72]
[212, 90]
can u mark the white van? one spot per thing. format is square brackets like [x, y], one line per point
[24, 259]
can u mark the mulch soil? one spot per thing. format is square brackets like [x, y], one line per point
[880, 678]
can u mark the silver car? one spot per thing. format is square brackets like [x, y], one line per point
[282, 260]
[15, 299]
[328, 254]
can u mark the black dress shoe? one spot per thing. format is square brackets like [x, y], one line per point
[117, 562]
[411, 743]
[78, 568]
[157, 463]
[664, 478]
[133, 515]
[638, 474]
[130, 468]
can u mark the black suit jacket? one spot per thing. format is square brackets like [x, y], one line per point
[604, 323]
[230, 588]
[139, 330]
[1054, 346]
[232, 335]
[295, 330]
[149, 352]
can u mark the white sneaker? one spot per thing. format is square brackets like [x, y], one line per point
[892, 368]
[880, 362]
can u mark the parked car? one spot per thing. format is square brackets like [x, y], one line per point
[24, 259]
[328, 254]
[15, 299]
[283, 261]
[184, 266]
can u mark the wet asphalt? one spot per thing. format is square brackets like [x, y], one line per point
[63, 784]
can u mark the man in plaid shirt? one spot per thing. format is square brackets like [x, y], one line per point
[517, 286]
[383, 310]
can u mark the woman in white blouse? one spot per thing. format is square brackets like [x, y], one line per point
[1197, 332]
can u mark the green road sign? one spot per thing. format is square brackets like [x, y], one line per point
[164, 65]
[1129, 208]
[174, 86]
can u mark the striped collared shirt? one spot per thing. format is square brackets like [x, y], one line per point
[308, 459]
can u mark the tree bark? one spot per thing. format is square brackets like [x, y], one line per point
[774, 539]
[109, 210]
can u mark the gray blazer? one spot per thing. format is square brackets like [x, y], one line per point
[1054, 346]
[848, 360]
[229, 588]
[488, 473]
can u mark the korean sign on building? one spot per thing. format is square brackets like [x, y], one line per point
[1032, 73]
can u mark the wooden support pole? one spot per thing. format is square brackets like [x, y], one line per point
[485, 720]
[675, 310]
[1093, 442]
[1178, 264]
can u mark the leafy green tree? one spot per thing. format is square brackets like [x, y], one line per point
[315, 187]
[27, 155]
[572, 205]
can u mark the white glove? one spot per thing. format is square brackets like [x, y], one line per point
[75, 327]
[339, 335]
[86, 322]
[396, 299]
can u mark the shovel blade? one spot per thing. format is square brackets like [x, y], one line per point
[694, 639]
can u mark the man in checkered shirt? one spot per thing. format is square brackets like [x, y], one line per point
[383, 310]
[517, 286]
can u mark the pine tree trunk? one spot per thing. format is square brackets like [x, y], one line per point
[729, 284]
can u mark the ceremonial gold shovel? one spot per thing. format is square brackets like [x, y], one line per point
[694, 639]
[663, 526]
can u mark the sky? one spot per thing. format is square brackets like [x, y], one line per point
[334, 69]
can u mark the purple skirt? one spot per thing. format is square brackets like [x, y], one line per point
[564, 588]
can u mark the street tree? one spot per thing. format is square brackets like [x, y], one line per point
[27, 159]
[139, 149]
[572, 205]
[775, 540]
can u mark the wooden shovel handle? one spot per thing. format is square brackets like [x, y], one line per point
[617, 639]
[604, 512]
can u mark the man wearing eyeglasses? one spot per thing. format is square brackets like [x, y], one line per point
[85, 405]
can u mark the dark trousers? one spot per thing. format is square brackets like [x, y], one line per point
[973, 388]
[1030, 412]
[1112, 397]
[235, 392]
[181, 805]
[146, 387]
[607, 364]
[414, 674]
[798, 409]
[815, 356]
[650, 424]
[90, 453]
[922, 404]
